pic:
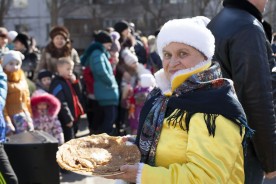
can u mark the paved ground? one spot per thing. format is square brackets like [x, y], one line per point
[79, 179]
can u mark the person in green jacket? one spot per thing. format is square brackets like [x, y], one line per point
[104, 85]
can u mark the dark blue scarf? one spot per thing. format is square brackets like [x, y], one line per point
[204, 92]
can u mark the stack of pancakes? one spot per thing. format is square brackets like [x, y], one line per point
[97, 155]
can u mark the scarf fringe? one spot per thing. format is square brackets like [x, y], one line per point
[177, 118]
[248, 131]
[210, 120]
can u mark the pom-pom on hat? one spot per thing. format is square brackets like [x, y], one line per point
[188, 31]
[59, 30]
[12, 55]
[44, 73]
[102, 37]
[201, 20]
[115, 47]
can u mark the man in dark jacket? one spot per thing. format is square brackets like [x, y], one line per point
[245, 55]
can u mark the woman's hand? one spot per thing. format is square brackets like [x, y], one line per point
[129, 175]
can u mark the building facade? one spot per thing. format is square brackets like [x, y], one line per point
[82, 17]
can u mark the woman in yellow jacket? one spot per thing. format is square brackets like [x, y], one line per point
[192, 127]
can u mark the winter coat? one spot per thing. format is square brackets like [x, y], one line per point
[60, 89]
[188, 152]
[47, 122]
[29, 64]
[49, 63]
[105, 86]
[139, 96]
[3, 95]
[18, 98]
[244, 54]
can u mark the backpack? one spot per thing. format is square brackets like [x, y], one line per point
[88, 80]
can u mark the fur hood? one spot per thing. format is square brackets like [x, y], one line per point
[52, 101]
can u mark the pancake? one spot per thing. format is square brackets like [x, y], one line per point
[100, 155]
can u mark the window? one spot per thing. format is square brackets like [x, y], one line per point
[178, 1]
[20, 3]
[110, 22]
[173, 1]
[21, 28]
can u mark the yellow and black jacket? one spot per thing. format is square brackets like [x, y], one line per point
[201, 135]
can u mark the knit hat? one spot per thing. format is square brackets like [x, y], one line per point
[129, 57]
[44, 73]
[3, 32]
[24, 39]
[116, 47]
[12, 35]
[59, 30]
[201, 20]
[102, 37]
[121, 26]
[12, 55]
[188, 31]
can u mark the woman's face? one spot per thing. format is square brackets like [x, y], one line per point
[179, 56]
[59, 41]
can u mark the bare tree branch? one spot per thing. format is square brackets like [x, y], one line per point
[156, 10]
[56, 7]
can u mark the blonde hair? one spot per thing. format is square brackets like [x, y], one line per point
[65, 60]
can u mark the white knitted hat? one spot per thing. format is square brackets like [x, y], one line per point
[129, 57]
[189, 31]
[12, 55]
[12, 35]
[147, 80]
[201, 20]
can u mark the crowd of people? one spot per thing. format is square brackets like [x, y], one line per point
[191, 87]
[50, 89]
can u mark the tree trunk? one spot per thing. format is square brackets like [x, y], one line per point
[3, 9]
[54, 13]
